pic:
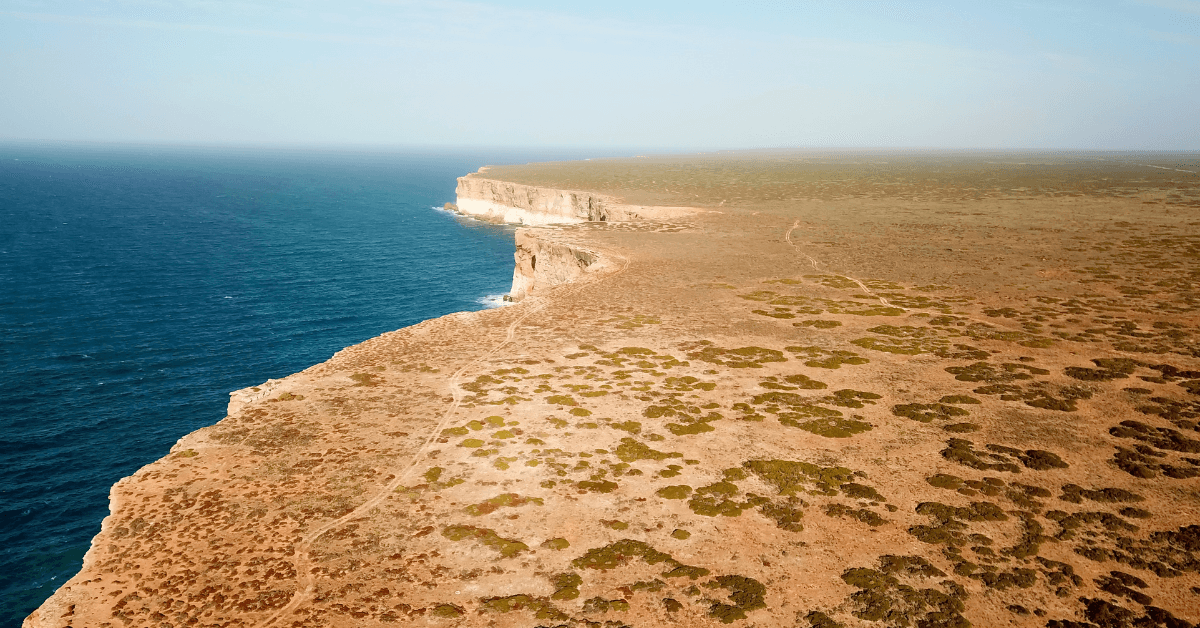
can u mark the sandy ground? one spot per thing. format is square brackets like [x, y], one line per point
[866, 391]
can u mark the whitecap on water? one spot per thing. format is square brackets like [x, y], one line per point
[493, 300]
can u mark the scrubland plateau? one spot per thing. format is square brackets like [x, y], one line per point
[851, 389]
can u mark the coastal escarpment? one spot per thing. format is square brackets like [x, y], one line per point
[542, 263]
[500, 201]
[543, 258]
[515, 203]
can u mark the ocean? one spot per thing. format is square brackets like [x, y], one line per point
[139, 285]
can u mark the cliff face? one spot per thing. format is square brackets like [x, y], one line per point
[500, 201]
[542, 263]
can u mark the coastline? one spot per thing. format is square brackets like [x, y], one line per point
[742, 399]
[567, 264]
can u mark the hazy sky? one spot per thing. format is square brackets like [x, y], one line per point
[669, 75]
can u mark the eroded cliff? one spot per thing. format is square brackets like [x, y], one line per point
[500, 201]
[542, 263]
[549, 257]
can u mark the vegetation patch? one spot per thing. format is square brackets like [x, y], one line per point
[1076, 494]
[948, 521]
[633, 322]
[927, 412]
[807, 413]
[633, 427]
[994, 374]
[1109, 369]
[960, 400]
[999, 457]
[717, 499]
[1104, 613]
[566, 586]
[556, 544]
[849, 398]
[792, 382]
[1148, 458]
[740, 358]
[886, 595]
[621, 552]
[817, 357]
[600, 605]
[835, 427]
[817, 619]
[631, 450]
[789, 477]
[745, 595]
[539, 606]
[678, 491]
[818, 324]
[447, 611]
[596, 486]
[785, 515]
[365, 379]
[865, 515]
[692, 417]
[507, 500]
[506, 547]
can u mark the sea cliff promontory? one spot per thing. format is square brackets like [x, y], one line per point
[840, 390]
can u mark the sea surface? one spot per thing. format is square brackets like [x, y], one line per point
[140, 285]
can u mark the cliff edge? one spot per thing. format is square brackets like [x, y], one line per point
[515, 203]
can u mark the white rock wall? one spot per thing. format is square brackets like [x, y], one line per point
[542, 263]
[500, 201]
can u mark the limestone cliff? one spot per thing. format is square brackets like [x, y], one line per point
[542, 263]
[501, 201]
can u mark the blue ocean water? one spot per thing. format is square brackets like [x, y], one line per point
[139, 285]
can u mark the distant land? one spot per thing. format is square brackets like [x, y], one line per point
[767, 388]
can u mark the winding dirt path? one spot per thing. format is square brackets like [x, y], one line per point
[816, 266]
[307, 580]
[989, 323]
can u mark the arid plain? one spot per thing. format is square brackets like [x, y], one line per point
[848, 389]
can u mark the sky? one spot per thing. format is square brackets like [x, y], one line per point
[695, 75]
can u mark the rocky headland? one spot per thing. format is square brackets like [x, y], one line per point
[746, 389]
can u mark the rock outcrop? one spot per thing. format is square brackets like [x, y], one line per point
[500, 201]
[542, 263]
[515, 203]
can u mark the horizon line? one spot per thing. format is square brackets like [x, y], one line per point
[643, 151]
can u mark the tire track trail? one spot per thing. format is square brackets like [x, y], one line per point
[816, 266]
[989, 323]
[307, 580]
